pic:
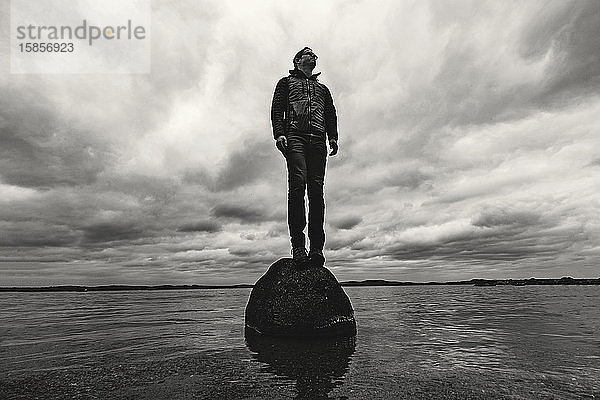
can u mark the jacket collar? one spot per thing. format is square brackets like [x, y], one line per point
[297, 73]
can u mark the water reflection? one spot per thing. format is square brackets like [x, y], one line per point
[317, 365]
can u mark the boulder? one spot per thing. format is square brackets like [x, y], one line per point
[299, 302]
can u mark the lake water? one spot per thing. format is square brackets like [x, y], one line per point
[419, 342]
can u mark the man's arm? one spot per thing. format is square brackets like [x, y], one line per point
[278, 108]
[331, 122]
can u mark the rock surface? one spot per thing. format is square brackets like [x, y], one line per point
[299, 302]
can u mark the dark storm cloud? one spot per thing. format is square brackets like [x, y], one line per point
[246, 162]
[240, 252]
[34, 234]
[39, 149]
[242, 213]
[501, 247]
[201, 226]
[494, 235]
[346, 222]
[112, 231]
[252, 160]
[571, 31]
[62, 214]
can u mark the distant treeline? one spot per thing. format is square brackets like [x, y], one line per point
[370, 282]
[116, 288]
[566, 280]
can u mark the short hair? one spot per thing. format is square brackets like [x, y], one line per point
[299, 55]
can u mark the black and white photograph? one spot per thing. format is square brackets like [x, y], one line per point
[345, 199]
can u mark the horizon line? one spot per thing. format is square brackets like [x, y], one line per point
[565, 280]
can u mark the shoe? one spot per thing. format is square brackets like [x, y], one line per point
[316, 257]
[299, 255]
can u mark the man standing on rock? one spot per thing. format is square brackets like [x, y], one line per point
[304, 119]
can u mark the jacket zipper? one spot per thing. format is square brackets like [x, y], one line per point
[309, 107]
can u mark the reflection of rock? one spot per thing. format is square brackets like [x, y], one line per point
[290, 301]
[317, 366]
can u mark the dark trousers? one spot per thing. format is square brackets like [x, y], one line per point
[306, 157]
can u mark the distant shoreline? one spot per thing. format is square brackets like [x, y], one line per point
[370, 282]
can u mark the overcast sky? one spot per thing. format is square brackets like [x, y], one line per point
[469, 146]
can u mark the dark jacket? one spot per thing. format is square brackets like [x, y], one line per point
[303, 105]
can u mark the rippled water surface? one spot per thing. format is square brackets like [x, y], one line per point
[540, 342]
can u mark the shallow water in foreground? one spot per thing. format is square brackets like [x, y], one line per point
[448, 342]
